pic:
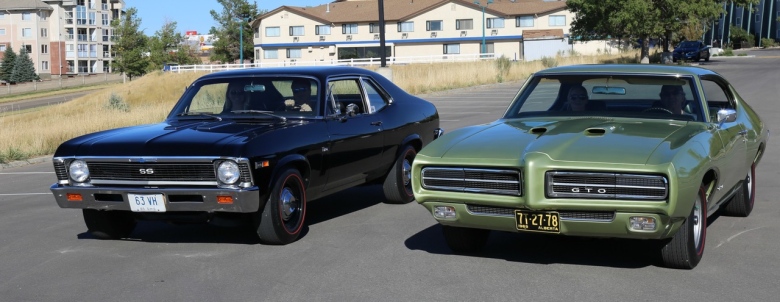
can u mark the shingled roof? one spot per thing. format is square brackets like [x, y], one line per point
[356, 11]
[23, 4]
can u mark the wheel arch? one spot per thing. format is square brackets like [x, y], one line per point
[414, 139]
[297, 161]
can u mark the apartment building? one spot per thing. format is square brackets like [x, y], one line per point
[63, 37]
[344, 29]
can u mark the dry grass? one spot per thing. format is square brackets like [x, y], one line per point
[149, 99]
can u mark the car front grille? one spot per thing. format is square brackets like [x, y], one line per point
[589, 216]
[491, 181]
[606, 186]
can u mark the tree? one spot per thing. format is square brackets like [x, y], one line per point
[235, 14]
[642, 19]
[9, 59]
[24, 68]
[128, 50]
[167, 46]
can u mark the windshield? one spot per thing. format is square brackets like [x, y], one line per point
[689, 44]
[661, 97]
[250, 97]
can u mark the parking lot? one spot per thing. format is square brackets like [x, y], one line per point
[357, 248]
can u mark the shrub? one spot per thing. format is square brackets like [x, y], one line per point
[767, 42]
[503, 64]
[728, 52]
[549, 62]
[116, 102]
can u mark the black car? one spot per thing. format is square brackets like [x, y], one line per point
[691, 51]
[252, 143]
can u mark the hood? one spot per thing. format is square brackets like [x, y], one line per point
[588, 139]
[176, 138]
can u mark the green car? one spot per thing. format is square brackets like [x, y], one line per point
[620, 151]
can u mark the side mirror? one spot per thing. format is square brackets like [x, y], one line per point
[726, 116]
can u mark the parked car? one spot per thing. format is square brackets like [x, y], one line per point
[252, 143]
[629, 166]
[691, 51]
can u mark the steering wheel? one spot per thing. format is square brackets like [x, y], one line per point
[657, 109]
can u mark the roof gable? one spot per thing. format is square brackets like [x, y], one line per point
[23, 4]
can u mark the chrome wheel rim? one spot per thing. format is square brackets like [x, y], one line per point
[406, 172]
[698, 222]
[289, 203]
[750, 185]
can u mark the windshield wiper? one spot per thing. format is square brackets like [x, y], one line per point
[268, 113]
[194, 113]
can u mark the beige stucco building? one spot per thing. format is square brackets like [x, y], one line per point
[344, 29]
[63, 37]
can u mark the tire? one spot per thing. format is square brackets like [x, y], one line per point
[398, 182]
[742, 203]
[109, 224]
[685, 249]
[465, 240]
[707, 57]
[281, 220]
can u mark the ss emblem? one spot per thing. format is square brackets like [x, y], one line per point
[146, 171]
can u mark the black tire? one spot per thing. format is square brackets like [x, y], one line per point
[109, 224]
[686, 248]
[281, 220]
[707, 57]
[398, 182]
[742, 203]
[465, 240]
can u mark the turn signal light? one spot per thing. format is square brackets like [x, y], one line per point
[642, 223]
[225, 199]
[443, 212]
[74, 197]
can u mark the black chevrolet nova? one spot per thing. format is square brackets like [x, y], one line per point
[252, 143]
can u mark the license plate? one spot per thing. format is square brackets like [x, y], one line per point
[538, 221]
[146, 202]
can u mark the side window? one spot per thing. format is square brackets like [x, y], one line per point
[376, 98]
[346, 95]
[717, 96]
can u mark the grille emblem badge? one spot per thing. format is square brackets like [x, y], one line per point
[146, 171]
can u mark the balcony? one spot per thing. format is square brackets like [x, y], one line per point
[69, 37]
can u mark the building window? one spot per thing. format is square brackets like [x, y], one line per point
[26, 32]
[2, 47]
[495, 23]
[371, 28]
[296, 30]
[464, 24]
[349, 28]
[557, 20]
[489, 48]
[406, 27]
[2, 31]
[257, 54]
[435, 25]
[43, 15]
[44, 32]
[2, 15]
[257, 32]
[27, 48]
[44, 48]
[322, 30]
[271, 54]
[524, 21]
[451, 49]
[44, 65]
[272, 31]
[738, 21]
[293, 53]
[26, 16]
[105, 19]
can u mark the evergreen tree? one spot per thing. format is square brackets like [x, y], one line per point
[9, 59]
[130, 45]
[24, 68]
[236, 14]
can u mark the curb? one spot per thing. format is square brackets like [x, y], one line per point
[20, 163]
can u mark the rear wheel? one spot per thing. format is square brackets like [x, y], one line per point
[398, 183]
[465, 240]
[742, 203]
[686, 248]
[109, 224]
[281, 220]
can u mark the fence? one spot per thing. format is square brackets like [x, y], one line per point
[344, 62]
[62, 82]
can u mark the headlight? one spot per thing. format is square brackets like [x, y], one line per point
[228, 172]
[79, 172]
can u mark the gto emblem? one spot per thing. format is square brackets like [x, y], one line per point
[146, 171]
[588, 190]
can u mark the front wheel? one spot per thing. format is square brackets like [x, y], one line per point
[281, 220]
[686, 248]
[109, 224]
[398, 183]
[742, 203]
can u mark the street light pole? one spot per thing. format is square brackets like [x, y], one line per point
[241, 39]
[483, 22]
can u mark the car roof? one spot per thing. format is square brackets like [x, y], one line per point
[638, 69]
[320, 72]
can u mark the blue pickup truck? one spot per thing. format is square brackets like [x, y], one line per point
[691, 51]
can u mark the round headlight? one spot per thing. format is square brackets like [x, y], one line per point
[79, 172]
[228, 172]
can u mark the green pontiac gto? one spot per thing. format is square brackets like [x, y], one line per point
[622, 151]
